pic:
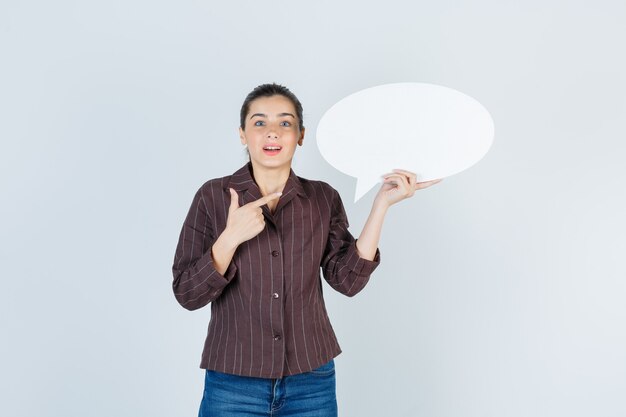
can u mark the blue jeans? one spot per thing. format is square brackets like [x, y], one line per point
[310, 394]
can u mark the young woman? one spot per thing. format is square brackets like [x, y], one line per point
[252, 245]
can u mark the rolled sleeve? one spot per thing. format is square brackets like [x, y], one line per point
[362, 266]
[196, 281]
[342, 266]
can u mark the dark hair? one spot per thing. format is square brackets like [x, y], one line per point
[269, 90]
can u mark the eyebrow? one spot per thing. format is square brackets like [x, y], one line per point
[279, 115]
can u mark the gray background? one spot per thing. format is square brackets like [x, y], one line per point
[501, 290]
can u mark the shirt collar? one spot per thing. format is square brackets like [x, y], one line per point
[242, 180]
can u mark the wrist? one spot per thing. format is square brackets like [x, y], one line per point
[380, 206]
[227, 240]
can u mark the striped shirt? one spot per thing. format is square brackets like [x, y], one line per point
[268, 317]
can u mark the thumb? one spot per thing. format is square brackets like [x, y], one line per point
[234, 200]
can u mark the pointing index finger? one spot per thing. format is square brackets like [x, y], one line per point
[265, 199]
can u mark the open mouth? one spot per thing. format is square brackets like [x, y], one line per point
[271, 149]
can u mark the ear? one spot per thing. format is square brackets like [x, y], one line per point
[242, 136]
[301, 136]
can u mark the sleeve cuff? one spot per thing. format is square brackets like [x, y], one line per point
[361, 266]
[216, 279]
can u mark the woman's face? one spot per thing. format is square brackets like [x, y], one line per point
[271, 121]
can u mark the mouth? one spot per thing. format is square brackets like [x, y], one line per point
[272, 149]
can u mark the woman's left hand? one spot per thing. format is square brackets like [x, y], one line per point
[398, 185]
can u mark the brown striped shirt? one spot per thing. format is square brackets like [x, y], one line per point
[268, 317]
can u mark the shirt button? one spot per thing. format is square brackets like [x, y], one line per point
[275, 295]
[277, 337]
[275, 253]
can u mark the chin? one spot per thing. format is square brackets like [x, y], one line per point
[273, 160]
[271, 163]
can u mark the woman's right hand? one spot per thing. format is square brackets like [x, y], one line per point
[247, 221]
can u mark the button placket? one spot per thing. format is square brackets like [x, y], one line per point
[278, 280]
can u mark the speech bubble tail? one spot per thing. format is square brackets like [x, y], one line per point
[363, 185]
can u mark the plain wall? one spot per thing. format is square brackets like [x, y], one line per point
[501, 290]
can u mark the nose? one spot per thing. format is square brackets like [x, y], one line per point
[272, 129]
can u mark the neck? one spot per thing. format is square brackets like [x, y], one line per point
[270, 180]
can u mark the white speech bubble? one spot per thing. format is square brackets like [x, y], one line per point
[428, 129]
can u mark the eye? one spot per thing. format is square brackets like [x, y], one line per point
[285, 123]
[258, 123]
